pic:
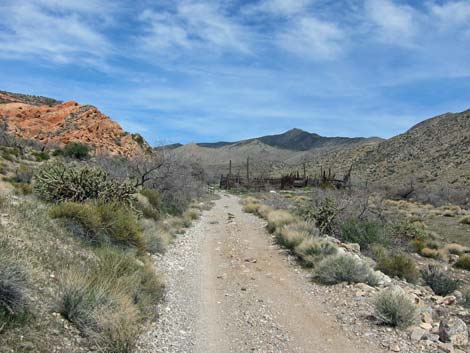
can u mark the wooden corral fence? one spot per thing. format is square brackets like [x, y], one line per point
[287, 181]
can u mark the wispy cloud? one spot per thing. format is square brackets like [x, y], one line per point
[193, 25]
[278, 7]
[49, 31]
[312, 38]
[395, 24]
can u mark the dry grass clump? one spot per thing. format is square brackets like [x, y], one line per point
[107, 302]
[393, 307]
[251, 207]
[312, 250]
[192, 214]
[278, 218]
[290, 236]
[429, 253]
[463, 262]
[13, 288]
[455, 249]
[344, 268]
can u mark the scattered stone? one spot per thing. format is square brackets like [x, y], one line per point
[417, 334]
[453, 330]
[395, 348]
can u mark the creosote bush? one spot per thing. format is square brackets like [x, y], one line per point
[344, 268]
[439, 281]
[463, 262]
[364, 233]
[393, 307]
[101, 222]
[57, 182]
[398, 265]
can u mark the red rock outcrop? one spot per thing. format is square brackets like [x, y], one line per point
[61, 123]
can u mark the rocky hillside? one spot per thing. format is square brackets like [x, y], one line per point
[55, 123]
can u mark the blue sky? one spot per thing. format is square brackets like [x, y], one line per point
[209, 70]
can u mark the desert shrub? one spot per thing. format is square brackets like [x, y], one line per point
[398, 265]
[57, 182]
[364, 233]
[465, 300]
[344, 268]
[393, 307]
[429, 253]
[463, 262]
[313, 250]
[76, 150]
[439, 281]
[108, 301]
[408, 231]
[278, 218]
[13, 286]
[101, 222]
[153, 196]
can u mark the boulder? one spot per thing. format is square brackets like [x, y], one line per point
[453, 330]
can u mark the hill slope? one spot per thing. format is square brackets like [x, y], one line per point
[55, 123]
[296, 140]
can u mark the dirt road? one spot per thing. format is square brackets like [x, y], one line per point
[230, 289]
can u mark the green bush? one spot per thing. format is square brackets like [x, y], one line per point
[76, 150]
[463, 262]
[398, 265]
[363, 233]
[408, 231]
[101, 222]
[393, 307]
[57, 182]
[344, 268]
[439, 281]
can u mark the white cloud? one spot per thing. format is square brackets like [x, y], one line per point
[278, 7]
[396, 23]
[312, 38]
[452, 14]
[194, 25]
[35, 30]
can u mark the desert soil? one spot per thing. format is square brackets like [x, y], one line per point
[231, 289]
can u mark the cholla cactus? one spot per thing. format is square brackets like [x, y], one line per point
[57, 182]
